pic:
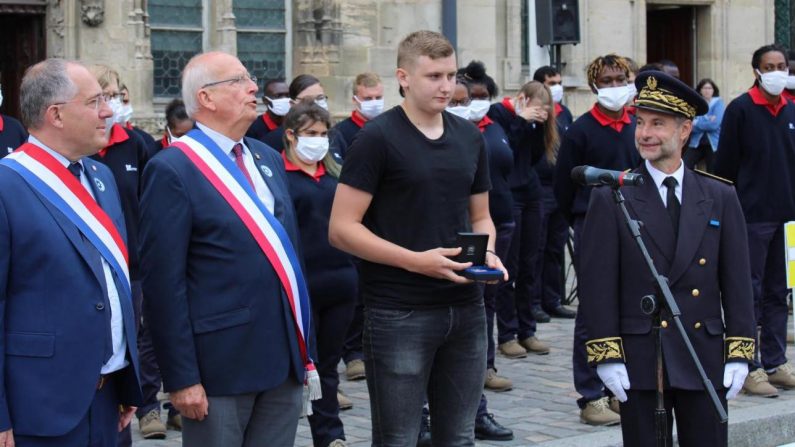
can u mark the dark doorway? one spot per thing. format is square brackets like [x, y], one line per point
[23, 45]
[669, 35]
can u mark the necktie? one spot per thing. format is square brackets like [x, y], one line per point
[237, 150]
[672, 203]
[76, 169]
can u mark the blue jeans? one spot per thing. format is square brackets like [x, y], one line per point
[407, 352]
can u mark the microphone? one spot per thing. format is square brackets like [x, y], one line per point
[590, 176]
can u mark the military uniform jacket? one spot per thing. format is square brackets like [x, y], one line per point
[708, 272]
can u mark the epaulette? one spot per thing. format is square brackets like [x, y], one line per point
[713, 176]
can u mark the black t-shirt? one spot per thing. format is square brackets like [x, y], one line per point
[421, 191]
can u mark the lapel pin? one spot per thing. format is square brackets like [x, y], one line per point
[256, 155]
[266, 170]
[714, 223]
[100, 185]
[94, 167]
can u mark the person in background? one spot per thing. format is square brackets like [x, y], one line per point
[789, 90]
[126, 114]
[276, 97]
[548, 287]
[706, 128]
[525, 119]
[669, 67]
[757, 153]
[368, 101]
[633, 73]
[603, 138]
[178, 123]
[331, 275]
[12, 134]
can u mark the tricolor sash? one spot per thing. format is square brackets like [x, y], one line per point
[57, 185]
[230, 182]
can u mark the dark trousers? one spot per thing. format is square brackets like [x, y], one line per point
[768, 278]
[697, 423]
[125, 436]
[514, 297]
[331, 318]
[98, 428]
[501, 246]
[409, 352]
[548, 286]
[586, 381]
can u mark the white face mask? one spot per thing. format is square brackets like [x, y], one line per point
[115, 106]
[462, 111]
[125, 113]
[322, 103]
[478, 108]
[613, 98]
[633, 92]
[1, 96]
[790, 82]
[279, 106]
[370, 108]
[774, 81]
[311, 149]
[557, 92]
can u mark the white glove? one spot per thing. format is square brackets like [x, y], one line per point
[733, 378]
[615, 378]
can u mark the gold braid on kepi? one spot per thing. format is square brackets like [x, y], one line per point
[660, 92]
[739, 348]
[604, 350]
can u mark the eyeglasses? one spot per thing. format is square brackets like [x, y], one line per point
[237, 80]
[461, 102]
[311, 98]
[93, 103]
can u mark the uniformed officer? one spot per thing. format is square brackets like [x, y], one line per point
[694, 229]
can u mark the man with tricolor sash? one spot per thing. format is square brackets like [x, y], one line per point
[225, 295]
[67, 346]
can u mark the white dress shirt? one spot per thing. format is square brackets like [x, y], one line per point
[226, 144]
[658, 177]
[118, 360]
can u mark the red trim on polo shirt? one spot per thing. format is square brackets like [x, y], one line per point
[1, 123]
[128, 125]
[508, 104]
[266, 118]
[604, 120]
[164, 142]
[558, 109]
[117, 135]
[290, 166]
[485, 122]
[788, 95]
[759, 99]
[358, 118]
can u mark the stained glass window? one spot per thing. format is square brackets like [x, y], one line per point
[176, 36]
[261, 37]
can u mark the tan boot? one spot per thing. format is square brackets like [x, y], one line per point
[343, 401]
[151, 426]
[757, 384]
[513, 350]
[784, 377]
[615, 406]
[534, 345]
[497, 383]
[598, 412]
[354, 370]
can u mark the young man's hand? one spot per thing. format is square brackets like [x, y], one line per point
[436, 263]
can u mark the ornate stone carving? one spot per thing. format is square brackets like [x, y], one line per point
[92, 12]
[56, 29]
[318, 34]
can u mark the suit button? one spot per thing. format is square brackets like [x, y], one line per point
[695, 293]
[702, 261]
[100, 306]
[663, 324]
[697, 325]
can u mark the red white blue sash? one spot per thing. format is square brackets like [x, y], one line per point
[54, 182]
[269, 234]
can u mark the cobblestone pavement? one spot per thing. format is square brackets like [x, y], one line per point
[541, 407]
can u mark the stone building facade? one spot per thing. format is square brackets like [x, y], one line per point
[336, 39]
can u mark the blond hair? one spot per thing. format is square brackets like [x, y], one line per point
[105, 75]
[423, 43]
[535, 89]
[366, 80]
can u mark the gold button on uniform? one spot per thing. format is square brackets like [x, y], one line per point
[664, 324]
[695, 292]
[697, 325]
[702, 261]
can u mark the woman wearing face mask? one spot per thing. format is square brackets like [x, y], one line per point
[525, 120]
[330, 273]
[276, 97]
[706, 128]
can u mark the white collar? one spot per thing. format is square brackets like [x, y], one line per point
[658, 176]
[225, 143]
[63, 160]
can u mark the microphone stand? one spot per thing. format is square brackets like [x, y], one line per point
[652, 305]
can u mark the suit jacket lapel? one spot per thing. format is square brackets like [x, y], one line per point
[693, 219]
[266, 172]
[648, 206]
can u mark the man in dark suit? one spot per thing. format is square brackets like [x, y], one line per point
[694, 229]
[218, 305]
[69, 370]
